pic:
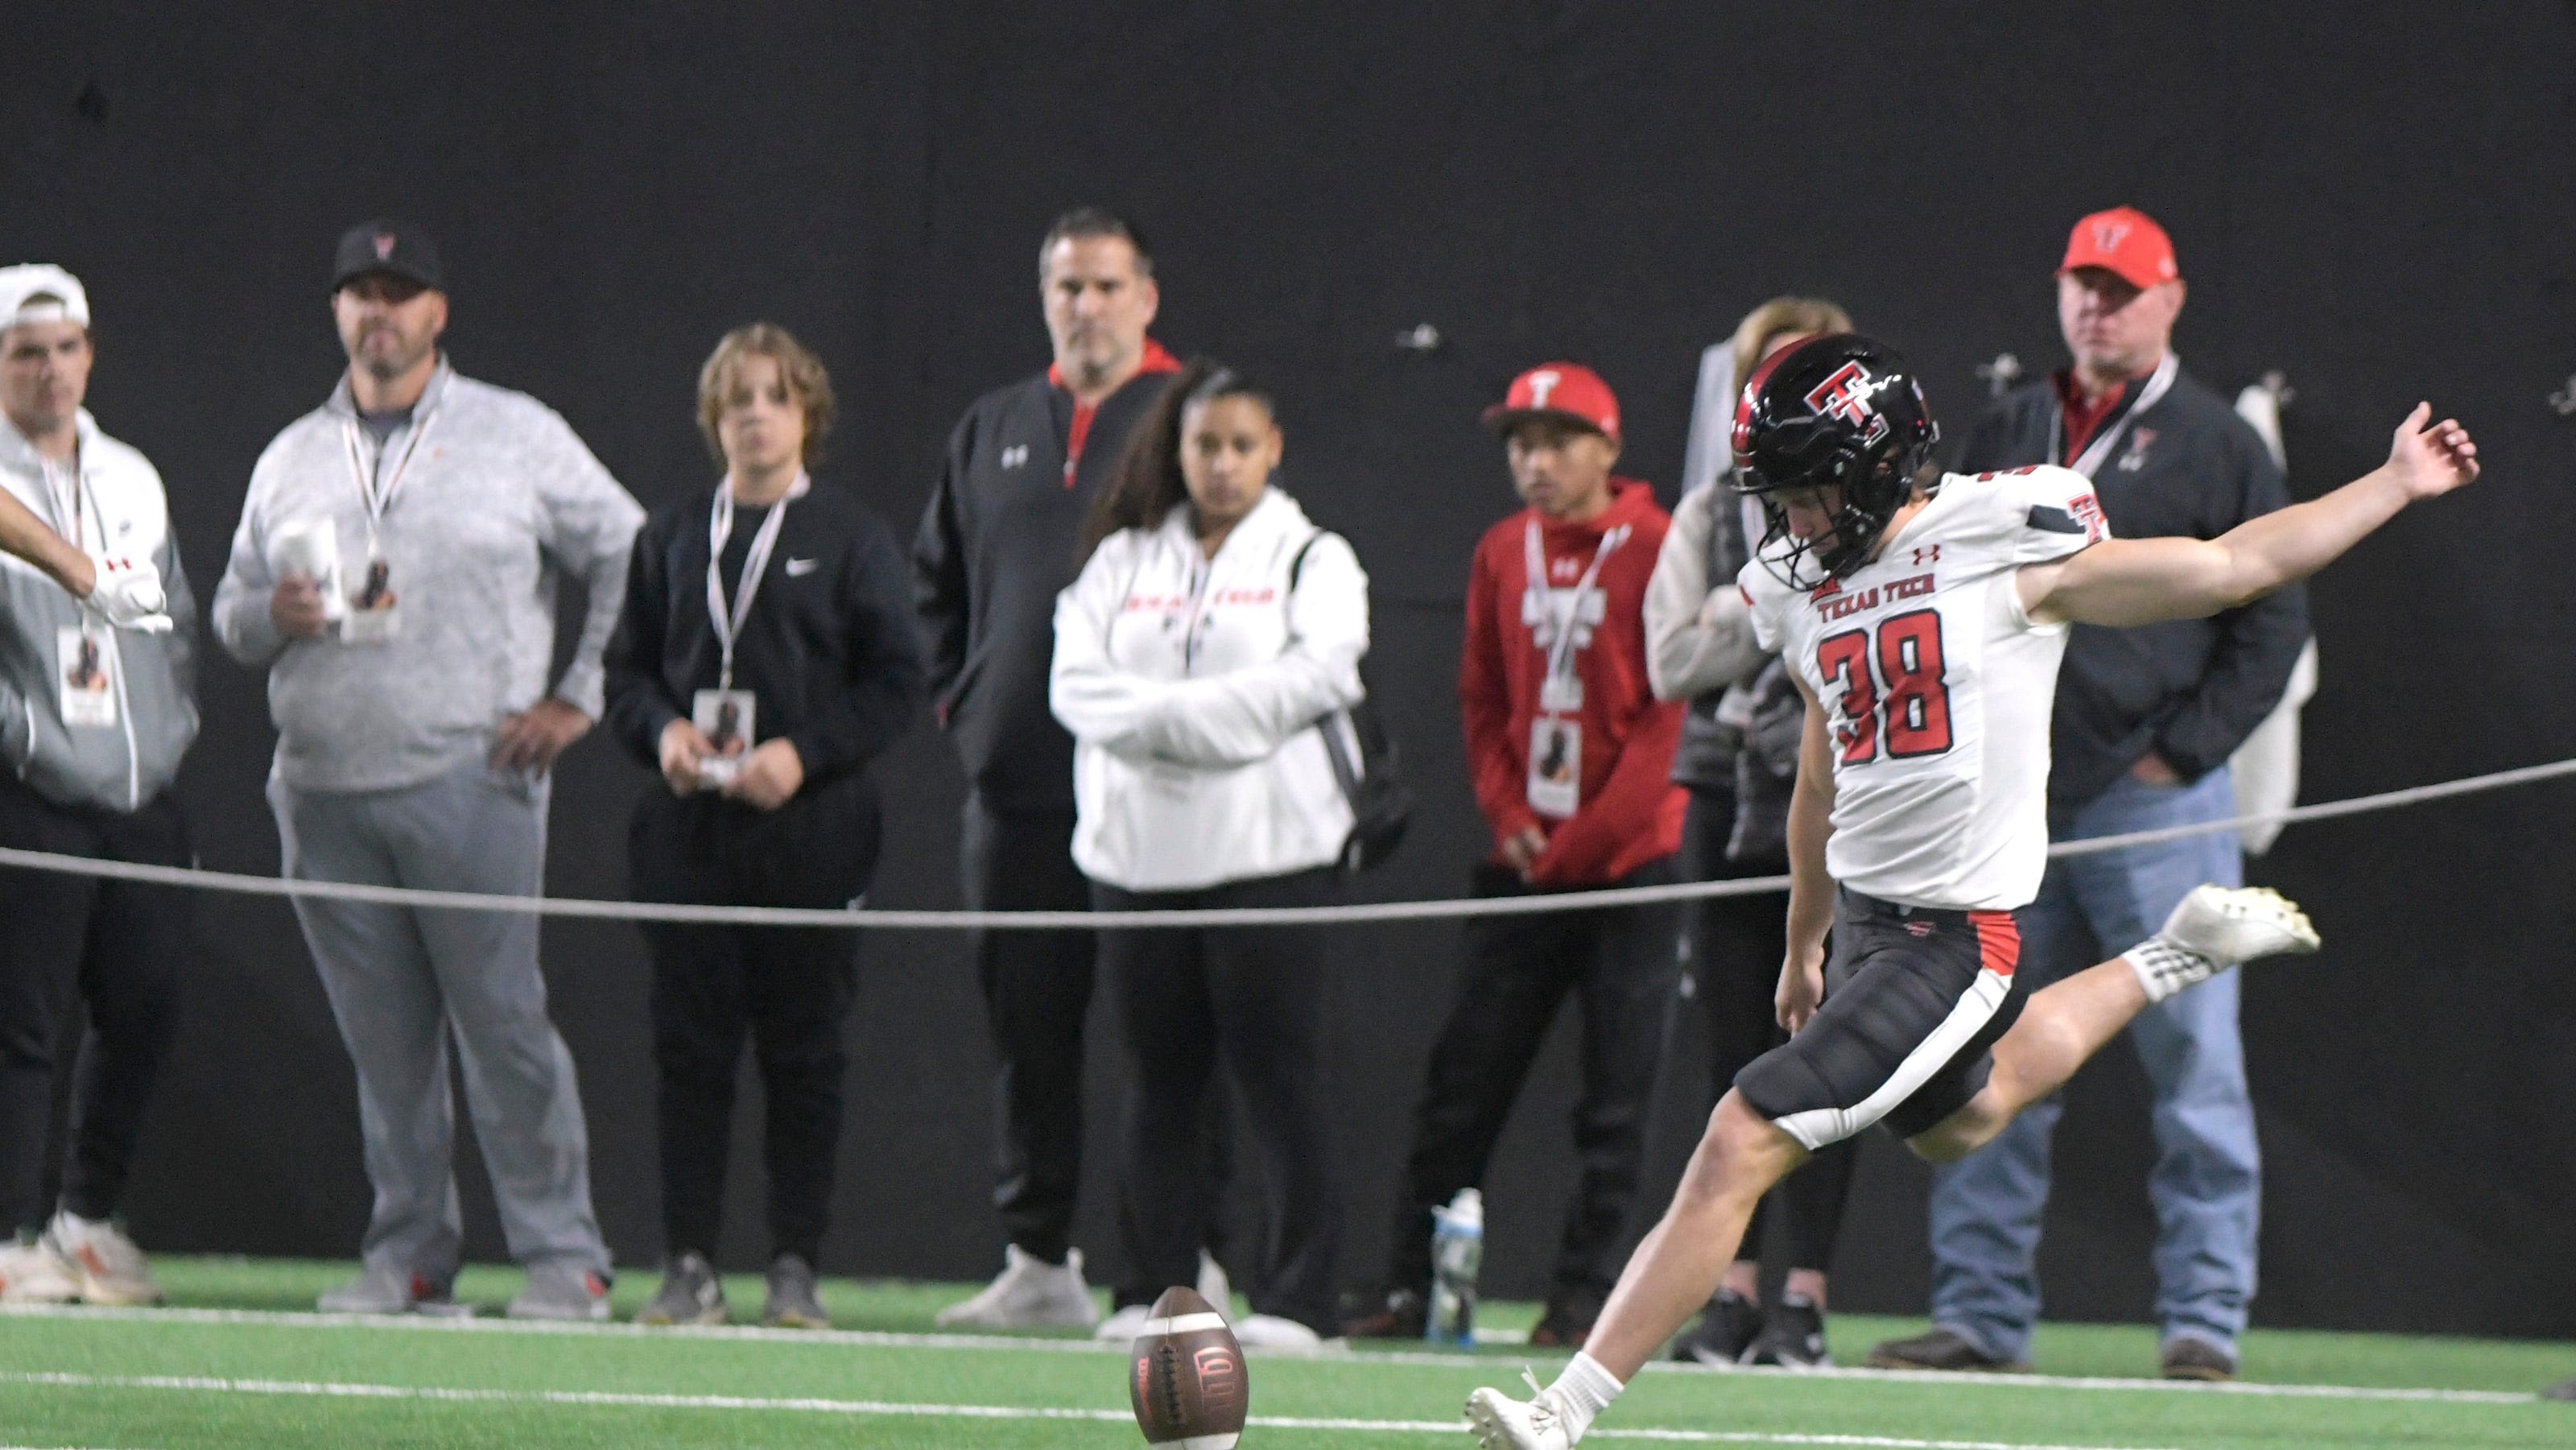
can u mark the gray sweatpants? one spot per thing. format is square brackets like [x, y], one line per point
[401, 979]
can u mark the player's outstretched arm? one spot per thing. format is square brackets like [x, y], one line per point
[25, 535]
[2140, 581]
[1811, 889]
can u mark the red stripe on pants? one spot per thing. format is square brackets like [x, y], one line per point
[1998, 941]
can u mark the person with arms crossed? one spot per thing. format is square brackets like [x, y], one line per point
[1572, 758]
[813, 661]
[416, 733]
[1738, 756]
[2145, 721]
[1926, 615]
[997, 543]
[1213, 636]
[96, 713]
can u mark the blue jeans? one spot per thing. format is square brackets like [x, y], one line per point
[2207, 1187]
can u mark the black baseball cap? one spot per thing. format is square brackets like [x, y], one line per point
[397, 249]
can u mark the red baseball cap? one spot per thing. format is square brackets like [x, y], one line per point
[2124, 240]
[1564, 390]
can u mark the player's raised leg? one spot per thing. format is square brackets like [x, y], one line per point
[2210, 930]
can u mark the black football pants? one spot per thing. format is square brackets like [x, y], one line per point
[120, 945]
[1621, 962]
[1736, 953]
[788, 989]
[1253, 997]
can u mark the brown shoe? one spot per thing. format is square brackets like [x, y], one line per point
[1400, 1315]
[2198, 1359]
[1942, 1349]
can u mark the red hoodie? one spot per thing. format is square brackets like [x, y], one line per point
[1630, 812]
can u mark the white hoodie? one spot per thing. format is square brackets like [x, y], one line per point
[1193, 688]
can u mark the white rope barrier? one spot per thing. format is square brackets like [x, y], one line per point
[1380, 911]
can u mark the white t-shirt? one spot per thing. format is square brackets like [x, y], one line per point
[1938, 688]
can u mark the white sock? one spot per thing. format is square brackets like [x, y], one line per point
[2164, 968]
[1582, 1392]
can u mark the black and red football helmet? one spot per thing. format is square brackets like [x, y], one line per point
[1843, 412]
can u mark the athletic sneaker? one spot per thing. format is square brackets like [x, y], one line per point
[1503, 1423]
[1726, 1329]
[1213, 1285]
[1124, 1325]
[1275, 1335]
[32, 1273]
[110, 1268]
[562, 1291]
[2216, 927]
[1945, 1349]
[1029, 1293]
[690, 1294]
[379, 1290]
[1792, 1337]
[795, 1300]
[2192, 1358]
[1567, 1321]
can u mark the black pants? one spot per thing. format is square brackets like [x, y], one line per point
[1254, 996]
[120, 945]
[788, 989]
[1736, 957]
[1037, 988]
[1621, 962]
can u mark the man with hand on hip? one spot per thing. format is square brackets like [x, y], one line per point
[396, 569]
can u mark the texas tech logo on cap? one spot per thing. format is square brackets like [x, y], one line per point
[384, 246]
[2107, 236]
[1542, 383]
[1848, 395]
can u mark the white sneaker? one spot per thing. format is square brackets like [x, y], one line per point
[2214, 928]
[1500, 1422]
[1276, 1335]
[1029, 1293]
[1124, 1325]
[110, 1268]
[1213, 1285]
[32, 1273]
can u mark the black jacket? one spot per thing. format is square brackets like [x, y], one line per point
[995, 548]
[828, 650]
[2190, 690]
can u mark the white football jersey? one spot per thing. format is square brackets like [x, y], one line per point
[1938, 688]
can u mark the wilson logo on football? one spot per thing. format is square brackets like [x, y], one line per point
[1847, 395]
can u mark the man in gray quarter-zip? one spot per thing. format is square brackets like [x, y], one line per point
[395, 570]
[93, 721]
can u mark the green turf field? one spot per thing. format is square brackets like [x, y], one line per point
[237, 1362]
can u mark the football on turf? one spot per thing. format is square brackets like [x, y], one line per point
[1186, 1376]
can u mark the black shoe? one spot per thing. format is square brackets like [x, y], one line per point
[1792, 1337]
[690, 1294]
[1725, 1330]
[1567, 1323]
[2198, 1359]
[1402, 1314]
[794, 1300]
[2563, 1390]
[1942, 1349]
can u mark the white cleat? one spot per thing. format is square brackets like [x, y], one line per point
[1029, 1293]
[1503, 1423]
[32, 1273]
[2214, 928]
[110, 1268]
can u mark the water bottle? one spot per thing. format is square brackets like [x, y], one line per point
[1457, 1247]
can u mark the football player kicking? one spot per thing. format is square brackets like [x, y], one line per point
[1926, 621]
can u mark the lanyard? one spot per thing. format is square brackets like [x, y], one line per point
[64, 494]
[729, 622]
[375, 489]
[2098, 452]
[1560, 649]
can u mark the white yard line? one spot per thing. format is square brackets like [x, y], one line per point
[595, 1398]
[416, 1323]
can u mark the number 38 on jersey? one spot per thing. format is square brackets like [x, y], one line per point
[1891, 693]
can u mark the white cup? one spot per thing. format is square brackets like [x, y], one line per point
[311, 547]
